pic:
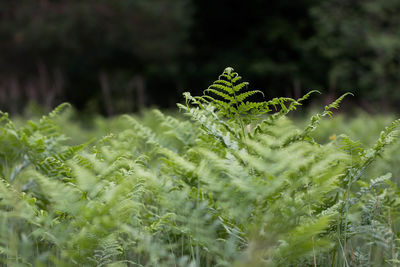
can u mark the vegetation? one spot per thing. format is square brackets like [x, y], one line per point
[236, 182]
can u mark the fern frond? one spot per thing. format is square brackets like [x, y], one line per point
[59, 109]
[334, 105]
[387, 137]
[232, 97]
[46, 123]
[175, 128]
[234, 105]
[109, 249]
[293, 105]
[315, 120]
[243, 96]
[252, 108]
[226, 97]
[224, 82]
[350, 146]
[143, 131]
[240, 86]
[215, 88]
[4, 119]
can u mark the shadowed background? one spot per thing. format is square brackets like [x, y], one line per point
[123, 55]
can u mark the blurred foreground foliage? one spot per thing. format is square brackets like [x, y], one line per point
[207, 190]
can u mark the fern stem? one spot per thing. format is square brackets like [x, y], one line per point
[334, 255]
[237, 108]
[314, 255]
[197, 241]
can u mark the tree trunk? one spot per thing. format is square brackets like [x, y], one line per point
[106, 92]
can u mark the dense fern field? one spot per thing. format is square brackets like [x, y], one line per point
[226, 182]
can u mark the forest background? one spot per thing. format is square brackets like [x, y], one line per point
[120, 56]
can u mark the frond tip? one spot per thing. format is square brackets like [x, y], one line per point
[335, 104]
[229, 95]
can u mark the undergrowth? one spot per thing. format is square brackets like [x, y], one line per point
[236, 183]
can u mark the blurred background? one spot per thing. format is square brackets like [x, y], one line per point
[120, 56]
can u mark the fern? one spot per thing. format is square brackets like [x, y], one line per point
[236, 184]
[230, 89]
[233, 101]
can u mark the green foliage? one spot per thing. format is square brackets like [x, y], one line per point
[233, 105]
[235, 184]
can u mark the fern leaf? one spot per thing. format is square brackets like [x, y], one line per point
[224, 82]
[334, 105]
[221, 94]
[350, 146]
[243, 96]
[236, 78]
[59, 109]
[240, 86]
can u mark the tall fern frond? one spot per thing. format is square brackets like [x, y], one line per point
[315, 120]
[225, 98]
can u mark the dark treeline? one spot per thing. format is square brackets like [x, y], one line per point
[121, 55]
